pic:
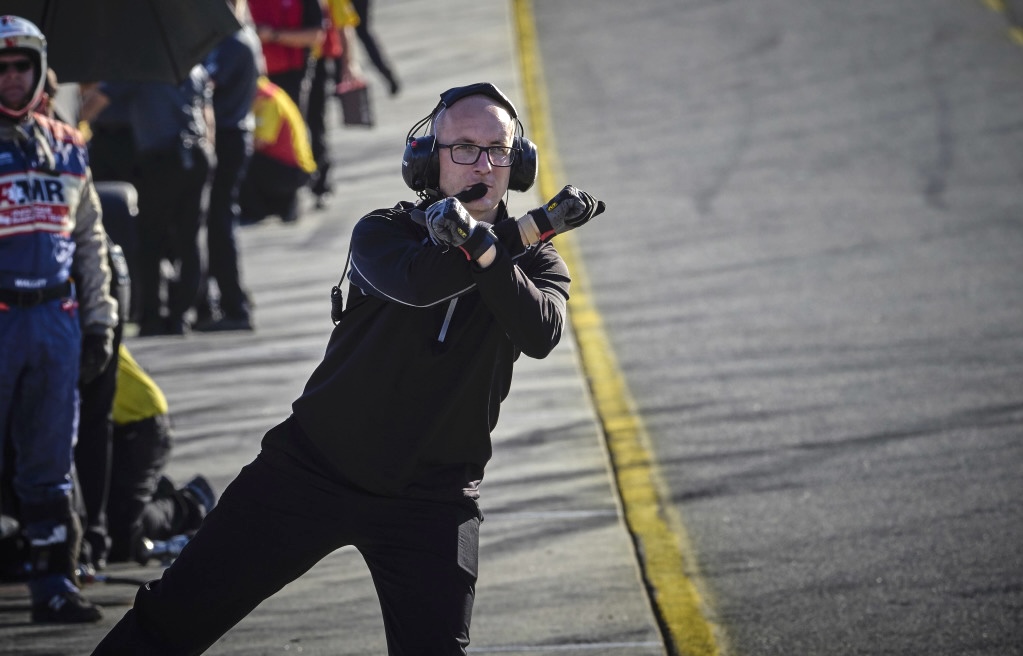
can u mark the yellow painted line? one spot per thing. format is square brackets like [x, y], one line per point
[665, 555]
[1015, 31]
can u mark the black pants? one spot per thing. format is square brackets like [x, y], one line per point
[369, 42]
[270, 189]
[93, 454]
[316, 119]
[421, 554]
[234, 148]
[170, 187]
[139, 504]
[295, 83]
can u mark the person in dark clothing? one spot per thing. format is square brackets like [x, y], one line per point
[234, 67]
[373, 49]
[385, 448]
[283, 159]
[144, 503]
[332, 61]
[112, 143]
[173, 157]
[93, 449]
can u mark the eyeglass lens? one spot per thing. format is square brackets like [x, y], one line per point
[20, 65]
[470, 154]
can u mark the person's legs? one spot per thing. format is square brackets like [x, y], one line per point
[140, 452]
[93, 456]
[159, 185]
[268, 529]
[42, 429]
[373, 50]
[234, 148]
[423, 557]
[316, 119]
[188, 217]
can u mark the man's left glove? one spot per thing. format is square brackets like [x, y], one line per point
[97, 349]
[568, 210]
[450, 224]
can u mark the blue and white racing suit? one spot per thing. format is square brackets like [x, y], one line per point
[54, 281]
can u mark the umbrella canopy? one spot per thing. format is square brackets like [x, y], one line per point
[127, 40]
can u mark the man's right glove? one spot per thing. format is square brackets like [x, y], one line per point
[97, 349]
[568, 210]
[450, 224]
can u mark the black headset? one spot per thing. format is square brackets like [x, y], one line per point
[419, 166]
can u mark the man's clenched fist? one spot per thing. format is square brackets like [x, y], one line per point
[568, 210]
[97, 349]
[450, 224]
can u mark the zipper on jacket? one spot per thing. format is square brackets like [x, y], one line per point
[447, 320]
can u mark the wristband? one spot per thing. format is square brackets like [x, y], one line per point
[543, 224]
[479, 241]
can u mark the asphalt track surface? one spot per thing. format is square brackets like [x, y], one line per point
[811, 278]
[809, 282]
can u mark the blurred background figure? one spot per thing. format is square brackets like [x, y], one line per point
[289, 31]
[233, 67]
[373, 50]
[145, 504]
[170, 127]
[111, 140]
[332, 62]
[282, 163]
[94, 446]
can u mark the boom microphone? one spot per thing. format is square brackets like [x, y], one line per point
[475, 192]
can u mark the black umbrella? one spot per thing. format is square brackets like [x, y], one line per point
[92, 40]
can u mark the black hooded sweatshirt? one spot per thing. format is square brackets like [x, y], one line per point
[410, 387]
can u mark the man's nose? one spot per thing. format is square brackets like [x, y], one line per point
[483, 162]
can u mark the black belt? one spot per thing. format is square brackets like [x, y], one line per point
[33, 297]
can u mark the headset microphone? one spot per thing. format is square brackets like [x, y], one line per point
[475, 192]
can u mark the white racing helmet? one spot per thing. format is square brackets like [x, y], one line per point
[18, 34]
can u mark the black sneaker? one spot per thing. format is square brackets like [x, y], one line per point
[66, 608]
[202, 491]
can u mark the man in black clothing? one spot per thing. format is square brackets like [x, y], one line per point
[386, 446]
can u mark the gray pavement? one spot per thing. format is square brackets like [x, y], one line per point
[811, 279]
[558, 573]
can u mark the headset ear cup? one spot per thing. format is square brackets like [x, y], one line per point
[419, 166]
[523, 173]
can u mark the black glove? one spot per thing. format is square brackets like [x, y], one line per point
[451, 225]
[568, 210]
[97, 349]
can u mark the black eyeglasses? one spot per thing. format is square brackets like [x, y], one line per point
[20, 65]
[470, 154]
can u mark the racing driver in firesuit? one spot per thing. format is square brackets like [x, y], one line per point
[56, 315]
